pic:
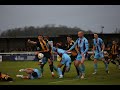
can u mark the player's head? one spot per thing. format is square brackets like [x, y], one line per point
[80, 34]
[69, 38]
[113, 42]
[46, 37]
[95, 35]
[40, 37]
[58, 45]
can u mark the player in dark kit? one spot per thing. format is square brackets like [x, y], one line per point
[69, 44]
[5, 77]
[114, 53]
[43, 48]
[50, 59]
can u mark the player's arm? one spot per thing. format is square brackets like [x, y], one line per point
[93, 49]
[73, 46]
[87, 46]
[103, 45]
[32, 42]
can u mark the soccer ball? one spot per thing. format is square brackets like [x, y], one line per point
[40, 55]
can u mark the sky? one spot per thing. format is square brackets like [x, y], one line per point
[86, 17]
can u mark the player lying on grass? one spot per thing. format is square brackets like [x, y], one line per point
[5, 77]
[65, 60]
[33, 73]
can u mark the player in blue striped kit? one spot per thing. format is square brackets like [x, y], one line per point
[83, 46]
[32, 73]
[98, 51]
[66, 60]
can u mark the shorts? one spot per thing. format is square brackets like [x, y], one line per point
[47, 55]
[66, 60]
[79, 57]
[37, 76]
[44, 60]
[99, 55]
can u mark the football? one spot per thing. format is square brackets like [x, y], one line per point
[40, 55]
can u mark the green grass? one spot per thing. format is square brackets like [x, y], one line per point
[101, 78]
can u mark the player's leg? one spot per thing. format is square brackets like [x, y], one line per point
[105, 62]
[77, 70]
[27, 70]
[67, 63]
[73, 58]
[118, 60]
[64, 68]
[59, 69]
[51, 66]
[83, 67]
[63, 71]
[77, 63]
[44, 61]
[41, 69]
[22, 76]
[96, 57]
[113, 59]
[118, 63]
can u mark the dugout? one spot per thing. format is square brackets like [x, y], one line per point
[20, 43]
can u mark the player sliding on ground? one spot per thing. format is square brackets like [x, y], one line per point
[65, 60]
[33, 73]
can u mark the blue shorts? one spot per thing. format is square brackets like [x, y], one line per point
[66, 60]
[99, 55]
[38, 74]
[79, 57]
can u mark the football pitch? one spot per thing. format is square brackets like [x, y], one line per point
[101, 78]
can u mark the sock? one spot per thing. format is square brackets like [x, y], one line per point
[21, 76]
[83, 68]
[52, 72]
[59, 71]
[63, 70]
[55, 68]
[41, 68]
[106, 65]
[21, 70]
[51, 67]
[78, 69]
[95, 67]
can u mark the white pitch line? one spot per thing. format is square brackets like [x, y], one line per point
[63, 81]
